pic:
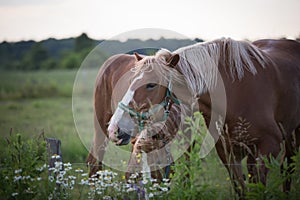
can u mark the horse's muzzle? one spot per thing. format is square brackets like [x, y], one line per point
[121, 135]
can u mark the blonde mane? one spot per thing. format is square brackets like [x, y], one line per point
[199, 63]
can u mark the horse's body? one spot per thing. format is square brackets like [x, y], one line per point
[269, 102]
[107, 79]
[108, 76]
[262, 87]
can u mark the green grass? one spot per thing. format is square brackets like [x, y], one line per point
[40, 101]
[53, 116]
[36, 84]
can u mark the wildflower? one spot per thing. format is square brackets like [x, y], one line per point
[18, 171]
[65, 183]
[17, 178]
[130, 181]
[153, 180]
[151, 195]
[51, 178]
[60, 177]
[72, 177]
[144, 181]
[51, 169]
[67, 164]
[14, 194]
[79, 170]
[38, 178]
[84, 182]
[62, 173]
[127, 185]
[130, 190]
[72, 182]
[40, 169]
[107, 178]
[29, 191]
[58, 164]
[165, 180]
[99, 192]
[164, 189]
[133, 176]
[85, 174]
[55, 156]
[26, 177]
[123, 177]
[50, 197]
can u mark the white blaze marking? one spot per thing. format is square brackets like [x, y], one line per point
[119, 112]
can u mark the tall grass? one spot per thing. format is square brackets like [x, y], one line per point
[24, 174]
[36, 84]
[40, 101]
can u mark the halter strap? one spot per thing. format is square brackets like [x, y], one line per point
[142, 116]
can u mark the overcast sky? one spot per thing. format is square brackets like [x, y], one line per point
[207, 19]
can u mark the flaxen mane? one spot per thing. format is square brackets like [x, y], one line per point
[199, 62]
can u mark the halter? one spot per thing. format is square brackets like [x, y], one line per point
[142, 116]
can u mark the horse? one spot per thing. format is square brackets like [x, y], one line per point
[107, 78]
[248, 93]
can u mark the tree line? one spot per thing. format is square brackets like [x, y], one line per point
[47, 54]
[70, 53]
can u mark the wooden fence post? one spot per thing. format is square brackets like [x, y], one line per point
[53, 148]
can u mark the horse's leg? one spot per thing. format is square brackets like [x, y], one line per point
[234, 168]
[97, 151]
[268, 145]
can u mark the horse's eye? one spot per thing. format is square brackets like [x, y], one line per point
[151, 85]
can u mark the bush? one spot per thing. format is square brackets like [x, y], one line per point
[22, 167]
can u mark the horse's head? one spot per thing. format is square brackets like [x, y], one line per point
[149, 97]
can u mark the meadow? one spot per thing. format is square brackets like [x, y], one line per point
[38, 102]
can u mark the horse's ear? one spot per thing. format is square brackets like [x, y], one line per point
[137, 56]
[173, 60]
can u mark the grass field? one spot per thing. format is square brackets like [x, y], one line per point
[35, 102]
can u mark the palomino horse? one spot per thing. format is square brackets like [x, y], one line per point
[108, 76]
[260, 87]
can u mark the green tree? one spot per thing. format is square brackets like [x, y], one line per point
[34, 58]
[70, 60]
[83, 42]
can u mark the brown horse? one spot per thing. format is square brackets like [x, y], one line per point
[253, 90]
[107, 80]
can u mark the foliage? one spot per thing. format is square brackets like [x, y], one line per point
[194, 178]
[70, 53]
[25, 175]
[278, 173]
[22, 167]
[34, 58]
